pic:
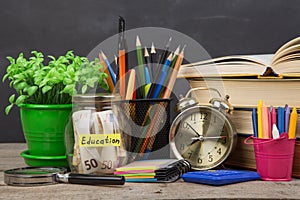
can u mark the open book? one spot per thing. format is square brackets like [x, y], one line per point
[285, 62]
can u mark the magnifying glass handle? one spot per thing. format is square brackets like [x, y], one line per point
[88, 179]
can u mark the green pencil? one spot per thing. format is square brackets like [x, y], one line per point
[140, 58]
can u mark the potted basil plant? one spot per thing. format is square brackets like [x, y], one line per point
[43, 92]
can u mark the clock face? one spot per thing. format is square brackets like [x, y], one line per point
[203, 136]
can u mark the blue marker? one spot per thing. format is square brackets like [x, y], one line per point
[280, 119]
[254, 122]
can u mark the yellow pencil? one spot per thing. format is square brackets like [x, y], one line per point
[259, 119]
[292, 124]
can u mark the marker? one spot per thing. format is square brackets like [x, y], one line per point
[287, 118]
[292, 124]
[259, 119]
[280, 119]
[254, 122]
[265, 121]
[273, 116]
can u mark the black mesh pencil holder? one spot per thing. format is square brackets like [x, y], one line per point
[144, 124]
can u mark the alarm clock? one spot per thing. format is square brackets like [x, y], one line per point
[203, 134]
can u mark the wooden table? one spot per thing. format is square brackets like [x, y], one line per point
[10, 158]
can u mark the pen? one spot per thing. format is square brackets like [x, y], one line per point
[292, 124]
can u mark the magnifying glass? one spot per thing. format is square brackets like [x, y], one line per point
[36, 176]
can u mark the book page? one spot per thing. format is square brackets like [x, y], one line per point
[290, 43]
[246, 65]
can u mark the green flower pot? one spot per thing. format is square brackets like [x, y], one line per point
[43, 127]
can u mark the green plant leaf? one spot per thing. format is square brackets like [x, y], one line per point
[8, 108]
[20, 86]
[21, 99]
[31, 90]
[12, 99]
[84, 89]
[5, 77]
[46, 89]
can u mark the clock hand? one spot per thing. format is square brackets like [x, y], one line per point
[194, 130]
[203, 138]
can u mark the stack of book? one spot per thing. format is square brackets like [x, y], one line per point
[274, 78]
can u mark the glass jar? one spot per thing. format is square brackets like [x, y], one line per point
[92, 136]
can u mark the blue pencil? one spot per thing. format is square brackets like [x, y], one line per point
[254, 122]
[111, 71]
[162, 77]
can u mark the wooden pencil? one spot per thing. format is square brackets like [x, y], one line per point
[172, 79]
[140, 64]
[105, 70]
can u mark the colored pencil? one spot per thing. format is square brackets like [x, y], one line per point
[159, 68]
[162, 78]
[173, 76]
[105, 70]
[140, 64]
[152, 61]
[130, 87]
[122, 58]
[148, 62]
[111, 71]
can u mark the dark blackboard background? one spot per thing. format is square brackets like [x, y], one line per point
[55, 26]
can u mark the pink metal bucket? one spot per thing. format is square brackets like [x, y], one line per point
[274, 157]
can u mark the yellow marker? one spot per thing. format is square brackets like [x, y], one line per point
[259, 119]
[292, 125]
